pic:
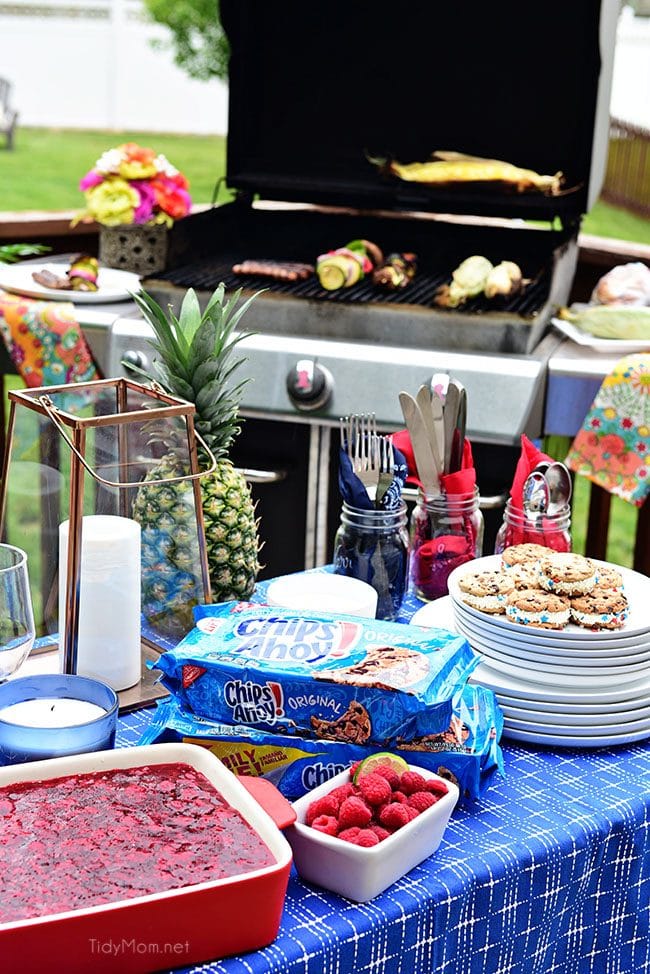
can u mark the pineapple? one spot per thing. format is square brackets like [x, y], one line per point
[194, 361]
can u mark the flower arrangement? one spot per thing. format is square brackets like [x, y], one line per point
[132, 185]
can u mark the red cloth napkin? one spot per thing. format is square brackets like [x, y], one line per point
[529, 458]
[461, 482]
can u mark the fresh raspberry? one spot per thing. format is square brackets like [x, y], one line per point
[412, 781]
[399, 796]
[326, 823]
[326, 805]
[374, 788]
[411, 812]
[343, 791]
[394, 816]
[354, 811]
[421, 800]
[349, 835]
[367, 838]
[353, 769]
[380, 832]
[436, 787]
[390, 774]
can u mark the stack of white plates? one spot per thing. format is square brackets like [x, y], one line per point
[570, 687]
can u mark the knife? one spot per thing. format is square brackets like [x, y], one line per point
[439, 429]
[450, 417]
[424, 401]
[458, 441]
[427, 470]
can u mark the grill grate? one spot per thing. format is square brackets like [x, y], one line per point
[206, 275]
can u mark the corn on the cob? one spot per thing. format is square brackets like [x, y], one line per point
[454, 167]
[610, 320]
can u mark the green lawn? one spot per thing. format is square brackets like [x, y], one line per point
[44, 169]
[43, 173]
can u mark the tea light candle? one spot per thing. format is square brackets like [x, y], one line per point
[54, 714]
[109, 646]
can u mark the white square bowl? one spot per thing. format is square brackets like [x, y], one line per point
[360, 873]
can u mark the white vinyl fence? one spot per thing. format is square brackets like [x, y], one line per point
[90, 64]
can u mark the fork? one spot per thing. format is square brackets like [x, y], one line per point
[360, 441]
[386, 468]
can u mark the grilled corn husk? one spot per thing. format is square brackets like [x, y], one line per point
[610, 320]
[454, 167]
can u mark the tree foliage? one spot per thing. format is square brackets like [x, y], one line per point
[197, 38]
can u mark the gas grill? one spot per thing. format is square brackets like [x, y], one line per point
[316, 92]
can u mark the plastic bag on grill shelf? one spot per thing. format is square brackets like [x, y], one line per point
[467, 752]
[336, 677]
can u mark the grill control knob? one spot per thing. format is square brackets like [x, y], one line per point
[133, 357]
[309, 385]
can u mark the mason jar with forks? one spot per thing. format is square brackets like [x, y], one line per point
[372, 541]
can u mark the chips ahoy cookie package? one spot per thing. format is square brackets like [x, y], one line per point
[467, 752]
[316, 674]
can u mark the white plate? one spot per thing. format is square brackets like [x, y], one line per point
[553, 707]
[594, 720]
[437, 615]
[578, 730]
[602, 344]
[542, 640]
[560, 740]
[515, 686]
[565, 662]
[446, 614]
[637, 590]
[566, 676]
[113, 285]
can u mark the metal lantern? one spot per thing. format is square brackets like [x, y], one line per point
[82, 462]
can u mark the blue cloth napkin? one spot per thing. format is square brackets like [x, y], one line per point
[355, 494]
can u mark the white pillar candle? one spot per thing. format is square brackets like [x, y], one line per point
[51, 712]
[109, 599]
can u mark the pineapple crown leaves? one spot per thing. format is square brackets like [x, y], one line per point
[196, 360]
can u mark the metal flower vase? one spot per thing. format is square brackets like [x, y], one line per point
[82, 462]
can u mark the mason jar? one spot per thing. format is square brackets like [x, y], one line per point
[446, 531]
[550, 530]
[373, 545]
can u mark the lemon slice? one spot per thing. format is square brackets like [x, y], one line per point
[375, 760]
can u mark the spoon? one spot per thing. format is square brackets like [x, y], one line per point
[535, 496]
[559, 483]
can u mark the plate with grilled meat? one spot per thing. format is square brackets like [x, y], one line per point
[51, 282]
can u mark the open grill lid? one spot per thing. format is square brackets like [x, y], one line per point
[316, 87]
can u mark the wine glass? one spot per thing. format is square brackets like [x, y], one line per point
[16, 615]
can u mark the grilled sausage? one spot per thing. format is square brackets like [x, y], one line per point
[278, 270]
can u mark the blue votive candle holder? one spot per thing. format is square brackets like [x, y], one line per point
[50, 715]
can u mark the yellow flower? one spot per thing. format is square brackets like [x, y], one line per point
[137, 162]
[112, 202]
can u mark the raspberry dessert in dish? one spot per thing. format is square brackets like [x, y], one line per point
[88, 839]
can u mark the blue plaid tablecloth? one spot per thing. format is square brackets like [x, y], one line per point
[548, 873]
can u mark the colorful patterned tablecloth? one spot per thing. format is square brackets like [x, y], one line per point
[549, 873]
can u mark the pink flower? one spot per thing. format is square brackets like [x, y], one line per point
[595, 423]
[144, 210]
[627, 423]
[92, 178]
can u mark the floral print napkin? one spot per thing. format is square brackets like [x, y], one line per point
[612, 448]
[45, 341]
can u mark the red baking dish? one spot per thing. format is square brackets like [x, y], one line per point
[173, 928]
